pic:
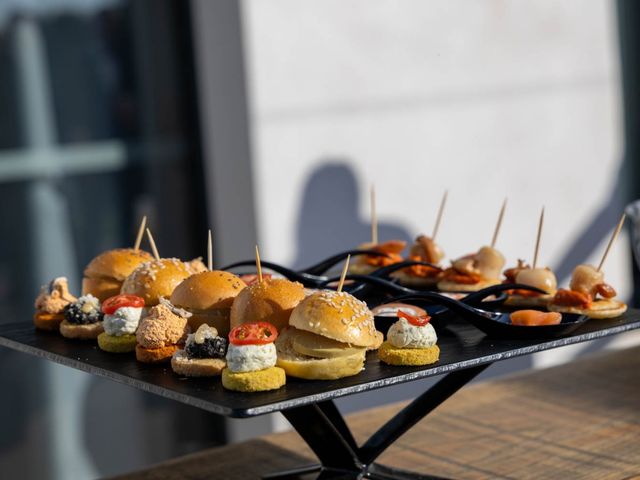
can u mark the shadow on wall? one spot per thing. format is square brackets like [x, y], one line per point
[330, 217]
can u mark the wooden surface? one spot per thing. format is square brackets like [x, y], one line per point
[577, 421]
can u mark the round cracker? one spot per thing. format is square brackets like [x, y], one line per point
[196, 367]
[391, 355]
[600, 309]
[270, 378]
[88, 331]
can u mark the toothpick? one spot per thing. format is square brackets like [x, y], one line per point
[344, 273]
[209, 252]
[258, 264]
[154, 249]
[143, 224]
[535, 252]
[499, 224]
[374, 217]
[439, 217]
[612, 239]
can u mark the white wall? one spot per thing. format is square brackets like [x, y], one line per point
[487, 98]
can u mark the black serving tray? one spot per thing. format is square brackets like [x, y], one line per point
[462, 346]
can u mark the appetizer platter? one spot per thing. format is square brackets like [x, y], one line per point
[253, 343]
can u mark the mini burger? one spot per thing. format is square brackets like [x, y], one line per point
[270, 300]
[328, 335]
[423, 250]
[159, 278]
[365, 264]
[410, 341]
[473, 272]
[542, 278]
[161, 333]
[589, 295]
[51, 303]
[104, 275]
[208, 296]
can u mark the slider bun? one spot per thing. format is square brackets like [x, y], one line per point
[302, 366]
[271, 300]
[600, 309]
[207, 290]
[449, 286]
[339, 316]
[155, 279]
[116, 264]
[101, 288]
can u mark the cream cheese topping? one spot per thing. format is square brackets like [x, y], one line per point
[250, 358]
[404, 335]
[124, 321]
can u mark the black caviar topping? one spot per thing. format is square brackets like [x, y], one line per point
[73, 314]
[210, 348]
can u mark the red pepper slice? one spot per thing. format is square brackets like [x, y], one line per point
[258, 333]
[415, 320]
[110, 305]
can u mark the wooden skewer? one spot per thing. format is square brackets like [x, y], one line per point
[499, 224]
[258, 264]
[143, 224]
[612, 239]
[154, 249]
[535, 252]
[439, 217]
[374, 217]
[209, 252]
[344, 273]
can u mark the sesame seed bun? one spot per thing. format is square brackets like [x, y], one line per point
[271, 300]
[156, 278]
[208, 296]
[339, 316]
[104, 275]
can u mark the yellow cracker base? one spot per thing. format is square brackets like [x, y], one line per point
[88, 331]
[115, 344]
[196, 367]
[408, 356]
[260, 381]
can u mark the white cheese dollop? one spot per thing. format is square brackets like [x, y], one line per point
[404, 335]
[250, 358]
[124, 321]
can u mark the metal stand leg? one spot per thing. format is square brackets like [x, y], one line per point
[323, 428]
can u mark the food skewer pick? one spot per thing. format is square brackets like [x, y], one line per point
[498, 224]
[209, 252]
[258, 264]
[439, 217]
[374, 217]
[143, 224]
[611, 240]
[535, 252]
[344, 273]
[152, 242]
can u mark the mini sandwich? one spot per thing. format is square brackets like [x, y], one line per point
[82, 319]
[159, 278]
[328, 337]
[542, 278]
[589, 295]
[410, 341]
[161, 333]
[271, 300]
[50, 304]
[122, 315]
[251, 359]
[365, 264]
[473, 272]
[104, 275]
[423, 250]
[203, 354]
[208, 296]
